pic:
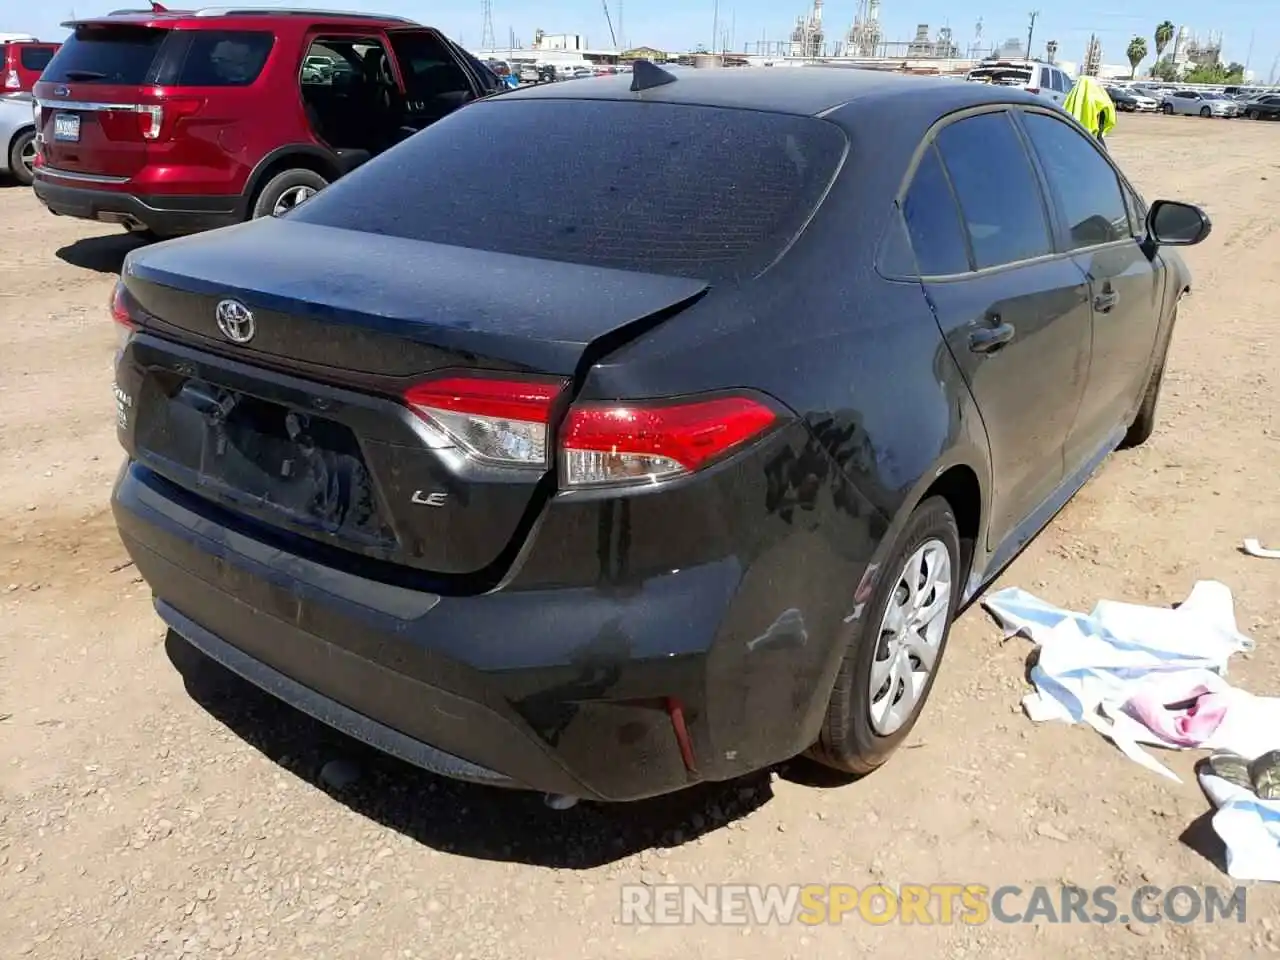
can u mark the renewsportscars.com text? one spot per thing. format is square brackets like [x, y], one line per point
[927, 904]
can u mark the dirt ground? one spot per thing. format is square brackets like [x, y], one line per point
[142, 815]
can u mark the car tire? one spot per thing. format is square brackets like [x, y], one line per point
[1144, 424]
[1168, 109]
[1206, 112]
[852, 739]
[21, 153]
[1251, 114]
[285, 191]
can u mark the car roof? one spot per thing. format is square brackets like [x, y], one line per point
[218, 17]
[804, 91]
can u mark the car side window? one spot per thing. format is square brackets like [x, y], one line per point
[933, 220]
[1000, 199]
[1085, 186]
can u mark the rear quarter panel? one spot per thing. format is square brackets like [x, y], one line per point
[883, 410]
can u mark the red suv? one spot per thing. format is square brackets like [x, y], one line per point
[21, 62]
[174, 122]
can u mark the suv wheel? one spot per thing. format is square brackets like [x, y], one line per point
[22, 157]
[892, 660]
[287, 190]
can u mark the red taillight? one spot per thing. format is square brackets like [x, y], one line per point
[126, 325]
[159, 120]
[12, 81]
[645, 443]
[120, 312]
[503, 420]
[147, 121]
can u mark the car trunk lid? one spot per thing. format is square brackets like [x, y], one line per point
[315, 424]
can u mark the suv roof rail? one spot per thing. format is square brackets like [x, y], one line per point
[294, 12]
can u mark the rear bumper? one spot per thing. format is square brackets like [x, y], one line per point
[564, 690]
[164, 215]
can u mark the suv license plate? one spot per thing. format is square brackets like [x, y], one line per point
[66, 127]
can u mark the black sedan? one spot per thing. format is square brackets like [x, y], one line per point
[652, 459]
[1261, 108]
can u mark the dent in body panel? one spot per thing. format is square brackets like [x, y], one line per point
[777, 539]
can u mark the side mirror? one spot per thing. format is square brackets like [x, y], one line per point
[1174, 224]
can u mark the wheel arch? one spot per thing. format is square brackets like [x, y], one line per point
[13, 139]
[962, 476]
[300, 156]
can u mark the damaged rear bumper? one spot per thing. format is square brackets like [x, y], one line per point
[556, 690]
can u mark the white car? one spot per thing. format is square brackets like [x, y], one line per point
[17, 137]
[1042, 79]
[1197, 103]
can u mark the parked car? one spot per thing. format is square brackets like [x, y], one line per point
[1042, 79]
[1193, 103]
[1129, 101]
[175, 122]
[718, 512]
[1264, 108]
[21, 61]
[17, 138]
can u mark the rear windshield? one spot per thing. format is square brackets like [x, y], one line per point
[34, 59]
[693, 191]
[98, 53]
[1002, 76]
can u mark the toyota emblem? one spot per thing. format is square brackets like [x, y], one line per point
[235, 320]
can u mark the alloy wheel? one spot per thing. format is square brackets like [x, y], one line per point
[28, 156]
[291, 198]
[910, 635]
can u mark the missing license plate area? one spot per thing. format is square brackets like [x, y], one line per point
[66, 127]
[283, 463]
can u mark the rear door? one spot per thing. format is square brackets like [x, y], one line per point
[1015, 316]
[89, 95]
[437, 75]
[1126, 286]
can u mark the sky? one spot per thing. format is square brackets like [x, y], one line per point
[1251, 31]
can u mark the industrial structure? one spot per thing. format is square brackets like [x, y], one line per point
[807, 37]
[863, 39]
[1190, 51]
[863, 44]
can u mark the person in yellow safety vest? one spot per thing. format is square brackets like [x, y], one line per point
[1089, 103]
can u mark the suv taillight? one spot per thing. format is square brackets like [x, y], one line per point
[157, 120]
[616, 444]
[12, 81]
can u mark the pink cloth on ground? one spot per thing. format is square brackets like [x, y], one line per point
[1184, 727]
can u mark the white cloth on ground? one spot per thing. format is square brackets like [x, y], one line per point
[1090, 666]
[1248, 826]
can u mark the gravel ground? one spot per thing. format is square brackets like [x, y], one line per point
[148, 811]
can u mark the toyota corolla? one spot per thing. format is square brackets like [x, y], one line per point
[664, 455]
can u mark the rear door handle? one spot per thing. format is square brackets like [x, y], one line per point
[991, 339]
[1105, 302]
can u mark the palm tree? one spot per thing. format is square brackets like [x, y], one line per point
[1137, 52]
[1164, 34]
